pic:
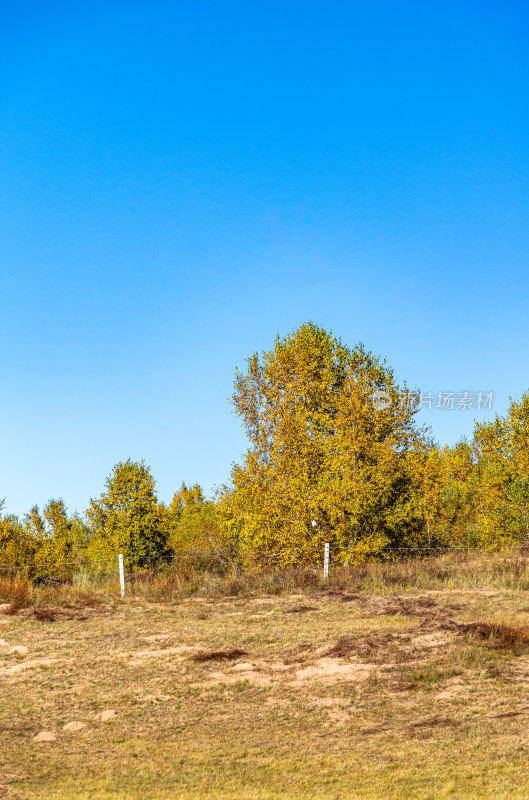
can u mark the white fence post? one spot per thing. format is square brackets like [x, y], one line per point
[326, 561]
[121, 575]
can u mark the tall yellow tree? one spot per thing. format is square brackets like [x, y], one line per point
[330, 440]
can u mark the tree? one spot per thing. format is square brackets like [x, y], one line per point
[501, 448]
[456, 521]
[427, 479]
[324, 463]
[17, 546]
[186, 498]
[58, 538]
[194, 529]
[181, 517]
[126, 518]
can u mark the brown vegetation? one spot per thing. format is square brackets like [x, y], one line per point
[506, 637]
[218, 655]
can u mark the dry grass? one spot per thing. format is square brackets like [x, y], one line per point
[507, 570]
[15, 592]
[392, 690]
[20, 594]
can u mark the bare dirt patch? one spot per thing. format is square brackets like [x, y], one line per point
[156, 637]
[330, 670]
[26, 665]
[44, 736]
[19, 650]
[140, 655]
[431, 640]
[106, 715]
[245, 672]
[74, 726]
[154, 698]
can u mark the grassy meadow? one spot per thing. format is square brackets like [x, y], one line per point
[397, 681]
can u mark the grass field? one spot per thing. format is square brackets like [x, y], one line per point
[379, 685]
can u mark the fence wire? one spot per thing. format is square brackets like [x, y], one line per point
[48, 572]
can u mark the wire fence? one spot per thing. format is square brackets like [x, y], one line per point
[147, 565]
[61, 571]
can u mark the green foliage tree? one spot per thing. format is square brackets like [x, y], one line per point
[18, 547]
[58, 539]
[195, 533]
[501, 449]
[127, 518]
[66, 536]
[186, 504]
[426, 478]
[456, 524]
[324, 464]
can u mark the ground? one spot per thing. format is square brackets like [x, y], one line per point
[318, 694]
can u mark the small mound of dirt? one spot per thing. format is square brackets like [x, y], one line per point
[300, 609]
[107, 715]
[342, 595]
[372, 648]
[348, 598]
[44, 736]
[411, 606]
[218, 655]
[18, 649]
[45, 614]
[343, 647]
[505, 637]
[73, 727]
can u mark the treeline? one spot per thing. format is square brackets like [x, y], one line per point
[126, 518]
[326, 463]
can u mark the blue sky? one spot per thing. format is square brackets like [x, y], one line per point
[182, 181]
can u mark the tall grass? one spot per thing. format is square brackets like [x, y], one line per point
[457, 570]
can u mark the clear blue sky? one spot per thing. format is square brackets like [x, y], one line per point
[182, 181]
